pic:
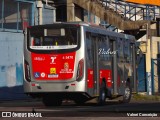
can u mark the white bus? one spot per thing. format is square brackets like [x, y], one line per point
[78, 61]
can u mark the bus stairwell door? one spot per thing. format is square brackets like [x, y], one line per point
[114, 66]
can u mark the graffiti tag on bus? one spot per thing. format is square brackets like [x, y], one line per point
[102, 51]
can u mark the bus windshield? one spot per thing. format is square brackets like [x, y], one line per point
[54, 38]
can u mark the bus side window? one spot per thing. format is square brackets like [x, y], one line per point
[89, 50]
[126, 51]
[120, 50]
[88, 45]
[101, 48]
[131, 53]
[106, 43]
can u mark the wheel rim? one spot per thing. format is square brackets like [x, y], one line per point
[127, 93]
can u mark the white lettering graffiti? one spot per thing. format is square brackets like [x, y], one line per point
[108, 52]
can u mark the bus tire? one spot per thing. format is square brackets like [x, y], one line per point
[127, 93]
[102, 94]
[50, 101]
[79, 101]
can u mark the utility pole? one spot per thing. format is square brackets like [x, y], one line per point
[40, 15]
[148, 61]
[70, 11]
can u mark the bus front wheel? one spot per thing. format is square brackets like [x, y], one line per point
[127, 93]
[102, 94]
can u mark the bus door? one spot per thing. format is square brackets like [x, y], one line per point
[96, 40]
[100, 61]
[121, 65]
[92, 63]
[133, 67]
[113, 58]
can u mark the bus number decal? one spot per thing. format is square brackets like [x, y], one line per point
[68, 57]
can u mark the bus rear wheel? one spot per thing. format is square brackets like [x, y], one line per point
[127, 94]
[80, 101]
[51, 101]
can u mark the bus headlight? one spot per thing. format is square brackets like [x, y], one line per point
[80, 70]
[27, 71]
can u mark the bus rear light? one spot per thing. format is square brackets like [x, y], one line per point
[34, 84]
[73, 84]
[27, 71]
[80, 70]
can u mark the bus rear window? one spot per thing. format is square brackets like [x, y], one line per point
[53, 39]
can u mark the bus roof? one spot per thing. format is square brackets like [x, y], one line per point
[87, 25]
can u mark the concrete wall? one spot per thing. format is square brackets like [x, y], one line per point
[11, 56]
[11, 70]
[48, 16]
[154, 53]
[11, 52]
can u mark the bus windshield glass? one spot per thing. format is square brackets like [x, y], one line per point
[54, 38]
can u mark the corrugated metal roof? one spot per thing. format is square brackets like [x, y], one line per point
[150, 2]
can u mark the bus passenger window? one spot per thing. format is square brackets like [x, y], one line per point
[47, 41]
[71, 36]
[55, 42]
[37, 42]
